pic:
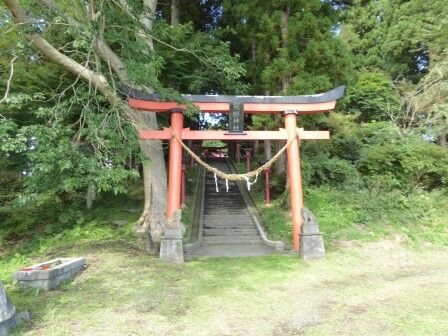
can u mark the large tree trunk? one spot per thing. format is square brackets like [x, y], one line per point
[267, 149]
[90, 195]
[152, 221]
[256, 146]
[280, 164]
[442, 140]
[285, 80]
[174, 12]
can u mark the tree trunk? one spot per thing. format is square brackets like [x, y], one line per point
[442, 140]
[267, 149]
[280, 164]
[256, 146]
[284, 36]
[174, 12]
[152, 221]
[90, 195]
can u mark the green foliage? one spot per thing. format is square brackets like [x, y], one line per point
[372, 97]
[373, 214]
[56, 221]
[213, 143]
[401, 37]
[61, 160]
[411, 162]
[289, 46]
[322, 169]
[361, 32]
[363, 214]
[203, 65]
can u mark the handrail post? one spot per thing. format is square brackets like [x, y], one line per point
[248, 152]
[267, 186]
[183, 186]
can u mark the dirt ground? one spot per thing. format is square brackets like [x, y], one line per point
[382, 288]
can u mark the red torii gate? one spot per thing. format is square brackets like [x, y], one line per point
[290, 106]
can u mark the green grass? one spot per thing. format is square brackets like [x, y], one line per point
[96, 227]
[125, 292]
[361, 214]
[374, 287]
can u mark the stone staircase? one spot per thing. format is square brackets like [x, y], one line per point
[228, 228]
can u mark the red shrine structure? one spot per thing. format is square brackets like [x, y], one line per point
[237, 106]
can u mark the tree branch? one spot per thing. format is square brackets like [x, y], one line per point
[8, 83]
[52, 54]
[101, 47]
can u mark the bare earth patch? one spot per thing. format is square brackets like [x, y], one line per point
[381, 288]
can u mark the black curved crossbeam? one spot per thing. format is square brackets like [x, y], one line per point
[324, 97]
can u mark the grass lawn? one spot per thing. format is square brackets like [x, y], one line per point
[379, 288]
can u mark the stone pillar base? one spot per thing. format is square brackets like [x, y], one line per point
[171, 248]
[311, 240]
[312, 247]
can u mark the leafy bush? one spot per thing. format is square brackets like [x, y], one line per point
[409, 163]
[322, 169]
[364, 214]
[372, 97]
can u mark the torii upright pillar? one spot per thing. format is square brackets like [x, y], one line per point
[175, 164]
[171, 248]
[294, 176]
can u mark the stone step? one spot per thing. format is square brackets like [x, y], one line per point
[223, 198]
[232, 240]
[227, 211]
[233, 250]
[224, 195]
[231, 216]
[228, 227]
[230, 212]
[235, 225]
[220, 198]
[215, 200]
[225, 203]
[225, 220]
[230, 232]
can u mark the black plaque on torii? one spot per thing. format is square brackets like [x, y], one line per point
[236, 118]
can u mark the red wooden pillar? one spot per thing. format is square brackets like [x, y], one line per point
[266, 186]
[247, 160]
[175, 164]
[183, 186]
[295, 177]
